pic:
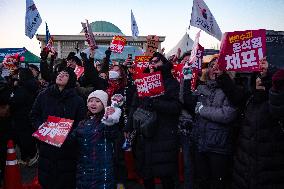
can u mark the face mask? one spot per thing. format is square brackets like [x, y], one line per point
[113, 75]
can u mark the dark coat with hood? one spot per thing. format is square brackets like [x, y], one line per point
[22, 101]
[259, 160]
[211, 131]
[57, 166]
[157, 156]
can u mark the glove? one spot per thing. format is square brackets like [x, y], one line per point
[198, 107]
[108, 52]
[83, 55]
[112, 116]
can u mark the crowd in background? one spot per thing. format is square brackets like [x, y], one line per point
[230, 130]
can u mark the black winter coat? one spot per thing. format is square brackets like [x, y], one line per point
[259, 160]
[21, 104]
[57, 166]
[157, 156]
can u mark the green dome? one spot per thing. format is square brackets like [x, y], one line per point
[103, 26]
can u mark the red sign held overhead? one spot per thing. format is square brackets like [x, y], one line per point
[117, 44]
[242, 50]
[79, 70]
[149, 84]
[54, 131]
[141, 63]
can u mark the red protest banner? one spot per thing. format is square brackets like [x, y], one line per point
[149, 84]
[117, 44]
[177, 71]
[242, 50]
[152, 44]
[196, 56]
[54, 131]
[141, 63]
[79, 70]
[10, 61]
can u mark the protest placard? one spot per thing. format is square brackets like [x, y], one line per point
[54, 131]
[117, 44]
[152, 44]
[242, 50]
[149, 84]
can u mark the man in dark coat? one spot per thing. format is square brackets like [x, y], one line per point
[57, 166]
[259, 158]
[157, 156]
[22, 99]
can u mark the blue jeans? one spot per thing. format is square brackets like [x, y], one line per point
[187, 158]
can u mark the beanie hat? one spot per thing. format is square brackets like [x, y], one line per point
[278, 80]
[100, 94]
[72, 78]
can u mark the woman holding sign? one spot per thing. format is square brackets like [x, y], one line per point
[156, 153]
[57, 166]
[212, 131]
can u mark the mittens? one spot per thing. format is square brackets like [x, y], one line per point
[112, 115]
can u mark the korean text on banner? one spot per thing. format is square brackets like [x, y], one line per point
[33, 19]
[117, 44]
[242, 50]
[177, 71]
[141, 63]
[202, 18]
[196, 56]
[79, 70]
[90, 38]
[152, 44]
[149, 84]
[54, 131]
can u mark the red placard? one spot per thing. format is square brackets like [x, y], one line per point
[149, 84]
[177, 71]
[196, 56]
[242, 50]
[79, 70]
[117, 44]
[10, 61]
[54, 131]
[141, 63]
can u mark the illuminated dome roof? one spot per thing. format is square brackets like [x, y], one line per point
[103, 28]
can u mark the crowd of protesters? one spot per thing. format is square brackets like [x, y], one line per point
[230, 131]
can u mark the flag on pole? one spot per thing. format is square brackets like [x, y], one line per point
[134, 27]
[47, 34]
[33, 19]
[202, 18]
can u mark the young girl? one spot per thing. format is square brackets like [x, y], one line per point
[95, 137]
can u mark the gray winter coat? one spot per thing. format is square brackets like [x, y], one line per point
[211, 131]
